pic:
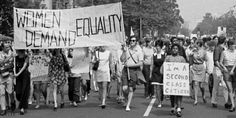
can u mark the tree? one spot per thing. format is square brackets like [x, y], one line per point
[6, 17]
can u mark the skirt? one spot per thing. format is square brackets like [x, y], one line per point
[198, 72]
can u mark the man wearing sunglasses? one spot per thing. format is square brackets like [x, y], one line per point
[132, 57]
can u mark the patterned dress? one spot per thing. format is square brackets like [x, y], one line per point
[56, 71]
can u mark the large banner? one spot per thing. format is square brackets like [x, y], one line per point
[68, 28]
[176, 79]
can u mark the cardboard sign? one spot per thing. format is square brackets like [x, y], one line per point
[38, 67]
[176, 79]
[100, 25]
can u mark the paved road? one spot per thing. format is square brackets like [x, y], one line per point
[90, 109]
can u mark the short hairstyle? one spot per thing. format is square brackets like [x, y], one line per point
[200, 42]
[159, 43]
[230, 42]
[174, 46]
[172, 39]
[221, 40]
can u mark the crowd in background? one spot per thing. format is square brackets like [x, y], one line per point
[212, 63]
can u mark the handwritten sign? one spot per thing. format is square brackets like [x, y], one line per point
[176, 79]
[38, 67]
[68, 28]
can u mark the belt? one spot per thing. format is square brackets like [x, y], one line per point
[133, 68]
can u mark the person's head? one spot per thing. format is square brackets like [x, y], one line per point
[158, 45]
[133, 41]
[20, 52]
[6, 45]
[102, 48]
[181, 41]
[148, 42]
[211, 44]
[175, 49]
[221, 40]
[199, 43]
[56, 51]
[230, 44]
[174, 40]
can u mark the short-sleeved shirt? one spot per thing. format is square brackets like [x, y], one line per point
[209, 62]
[137, 55]
[217, 53]
[148, 52]
[229, 57]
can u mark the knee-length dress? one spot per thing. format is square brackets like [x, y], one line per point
[157, 77]
[56, 71]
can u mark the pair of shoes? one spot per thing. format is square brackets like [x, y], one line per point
[232, 109]
[62, 105]
[37, 106]
[195, 103]
[214, 105]
[127, 109]
[228, 106]
[178, 114]
[3, 113]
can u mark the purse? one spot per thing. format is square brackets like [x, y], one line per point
[66, 64]
[96, 64]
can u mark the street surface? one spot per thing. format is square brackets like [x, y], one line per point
[140, 107]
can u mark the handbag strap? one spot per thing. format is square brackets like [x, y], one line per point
[132, 57]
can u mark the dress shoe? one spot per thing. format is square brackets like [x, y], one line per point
[62, 105]
[232, 109]
[55, 109]
[178, 114]
[3, 113]
[13, 106]
[228, 106]
[195, 103]
[214, 105]
[22, 112]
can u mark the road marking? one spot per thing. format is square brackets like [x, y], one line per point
[149, 108]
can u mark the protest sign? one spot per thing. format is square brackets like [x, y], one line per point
[80, 61]
[38, 67]
[176, 79]
[68, 28]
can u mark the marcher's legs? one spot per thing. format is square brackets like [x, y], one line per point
[159, 94]
[31, 92]
[130, 97]
[55, 96]
[201, 86]
[196, 84]
[2, 99]
[216, 80]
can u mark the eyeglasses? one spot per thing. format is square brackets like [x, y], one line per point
[133, 40]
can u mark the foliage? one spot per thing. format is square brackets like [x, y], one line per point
[6, 17]
[209, 24]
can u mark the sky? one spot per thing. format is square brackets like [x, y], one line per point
[193, 10]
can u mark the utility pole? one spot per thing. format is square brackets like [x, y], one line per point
[141, 32]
